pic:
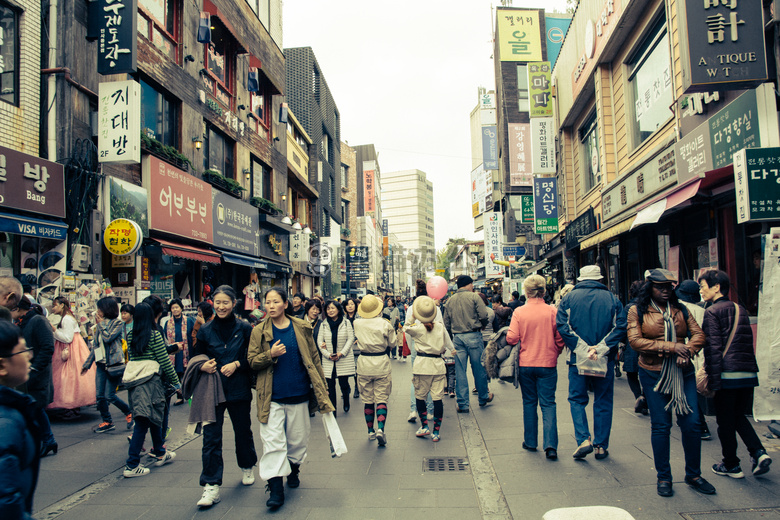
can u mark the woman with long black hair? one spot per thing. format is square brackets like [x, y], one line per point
[350, 312]
[335, 341]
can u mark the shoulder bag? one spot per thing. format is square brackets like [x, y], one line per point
[702, 379]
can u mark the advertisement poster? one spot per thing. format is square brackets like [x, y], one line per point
[766, 405]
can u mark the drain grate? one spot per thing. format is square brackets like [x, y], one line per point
[443, 464]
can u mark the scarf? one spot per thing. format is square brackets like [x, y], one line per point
[671, 381]
[170, 335]
[334, 332]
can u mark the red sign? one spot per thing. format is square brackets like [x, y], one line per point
[179, 203]
[368, 189]
[31, 183]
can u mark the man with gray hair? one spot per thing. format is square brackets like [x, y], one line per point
[10, 295]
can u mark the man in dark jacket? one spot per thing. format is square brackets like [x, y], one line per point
[514, 303]
[591, 316]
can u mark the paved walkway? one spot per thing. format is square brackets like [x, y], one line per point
[501, 480]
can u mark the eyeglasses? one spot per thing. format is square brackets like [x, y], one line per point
[25, 351]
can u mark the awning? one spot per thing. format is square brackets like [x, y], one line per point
[274, 224]
[539, 265]
[198, 254]
[34, 227]
[257, 262]
[651, 213]
[605, 234]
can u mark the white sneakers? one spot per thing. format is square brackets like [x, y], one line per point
[249, 476]
[412, 417]
[423, 432]
[380, 438]
[138, 471]
[372, 436]
[165, 459]
[210, 496]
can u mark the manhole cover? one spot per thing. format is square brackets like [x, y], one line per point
[440, 464]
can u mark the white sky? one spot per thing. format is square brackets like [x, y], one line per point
[404, 76]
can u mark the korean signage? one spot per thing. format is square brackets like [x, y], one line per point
[369, 168]
[757, 183]
[520, 173]
[299, 247]
[493, 239]
[122, 237]
[582, 226]
[596, 30]
[519, 35]
[540, 89]
[235, 224]
[556, 25]
[527, 209]
[477, 191]
[490, 147]
[31, 183]
[357, 254]
[694, 154]
[545, 205]
[119, 122]
[542, 145]
[513, 250]
[487, 109]
[735, 127]
[117, 40]
[722, 44]
[384, 227]
[179, 203]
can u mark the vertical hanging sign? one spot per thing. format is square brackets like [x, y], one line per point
[492, 224]
[540, 89]
[542, 145]
[490, 147]
[369, 168]
[118, 33]
[545, 205]
[119, 122]
[520, 173]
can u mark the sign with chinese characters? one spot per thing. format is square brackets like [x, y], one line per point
[179, 203]
[542, 145]
[527, 209]
[357, 254]
[31, 183]
[119, 122]
[757, 183]
[540, 89]
[582, 226]
[595, 32]
[299, 247]
[545, 205]
[490, 147]
[117, 39]
[122, 237]
[235, 224]
[369, 169]
[494, 232]
[520, 173]
[519, 35]
[721, 44]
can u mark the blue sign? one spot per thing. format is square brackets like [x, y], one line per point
[490, 147]
[33, 227]
[556, 32]
[514, 251]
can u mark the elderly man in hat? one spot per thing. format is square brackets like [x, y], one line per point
[590, 315]
[465, 315]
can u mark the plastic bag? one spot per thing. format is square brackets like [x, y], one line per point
[590, 367]
[337, 445]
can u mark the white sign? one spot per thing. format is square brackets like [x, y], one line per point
[542, 145]
[478, 190]
[494, 232]
[487, 117]
[299, 247]
[765, 403]
[119, 122]
[487, 101]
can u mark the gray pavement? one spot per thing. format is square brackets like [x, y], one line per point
[83, 481]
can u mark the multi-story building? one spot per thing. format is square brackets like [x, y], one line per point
[369, 210]
[349, 198]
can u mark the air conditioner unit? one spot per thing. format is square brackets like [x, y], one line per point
[80, 257]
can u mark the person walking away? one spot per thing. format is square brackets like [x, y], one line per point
[390, 313]
[465, 315]
[225, 341]
[502, 314]
[591, 316]
[422, 290]
[733, 373]
[514, 303]
[533, 326]
[657, 328]
[375, 336]
[178, 331]
[350, 312]
[70, 352]
[335, 340]
[487, 331]
[631, 357]
[283, 353]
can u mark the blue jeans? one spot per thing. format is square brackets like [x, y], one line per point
[428, 399]
[661, 425]
[538, 387]
[142, 425]
[603, 393]
[469, 346]
[106, 393]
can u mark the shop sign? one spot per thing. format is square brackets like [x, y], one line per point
[581, 227]
[299, 247]
[597, 34]
[488, 198]
[122, 237]
[487, 101]
[34, 228]
[545, 205]
[697, 107]
[520, 172]
[118, 33]
[722, 44]
[735, 127]
[119, 122]
[527, 209]
[490, 147]
[549, 246]
[369, 168]
[123, 261]
[384, 227]
[540, 89]
[757, 184]
[557, 25]
[513, 250]
[145, 273]
[357, 254]
[235, 224]
[30, 183]
[543, 145]
[519, 35]
[494, 233]
[179, 203]
[276, 245]
[478, 189]
[651, 177]
[694, 153]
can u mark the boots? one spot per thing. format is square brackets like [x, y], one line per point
[292, 479]
[346, 402]
[276, 487]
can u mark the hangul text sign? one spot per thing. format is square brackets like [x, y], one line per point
[30, 183]
[117, 36]
[545, 205]
[542, 145]
[734, 127]
[757, 184]
[490, 147]
[520, 172]
[235, 224]
[540, 89]
[299, 247]
[519, 35]
[369, 189]
[492, 224]
[119, 122]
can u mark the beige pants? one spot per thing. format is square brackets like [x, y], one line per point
[375, 389]
[429, 383]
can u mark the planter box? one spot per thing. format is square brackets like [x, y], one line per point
[222, 185]
[182, 165]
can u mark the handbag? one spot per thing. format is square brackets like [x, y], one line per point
[64, 351]
[117, 370]
[702, 378]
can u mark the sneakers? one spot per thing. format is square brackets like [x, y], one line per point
[165, 459]
[380, 438]
[721, 469]
[706, 435]
[435, 437]
[423, 432]
[138, 471]
[761, 462]
[583, 449]
[130, 421]
[210, 496]
[372, 436]
[104, 427]
[412, 417]
[248, 477]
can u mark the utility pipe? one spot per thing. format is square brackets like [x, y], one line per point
[65, 71]
[52, 84]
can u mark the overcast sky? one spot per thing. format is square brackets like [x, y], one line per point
[404, 76]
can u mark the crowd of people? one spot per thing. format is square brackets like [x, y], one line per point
[297, 352]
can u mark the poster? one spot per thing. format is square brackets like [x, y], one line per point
[766, 404]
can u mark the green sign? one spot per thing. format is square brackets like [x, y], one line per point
[757, 184]
[527, 205]
[540, 89]
[733, 128]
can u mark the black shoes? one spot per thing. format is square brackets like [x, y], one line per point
[293, 481]
[463, 410]
[346, 403]
[601, 453]
[489, 400]
[527, 447]
[700, 485]
[276, 487]
[46, 448]
[551, 453]
[665, 488]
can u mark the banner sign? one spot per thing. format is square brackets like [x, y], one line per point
[519, 35]
[520, 173]
[556, 25]
[118, 36]
[540, 89]
[357, 254]
[490, 147]
[582, 226]
[235, 224]
[527, 209]
[119, 122]
[543, 145]
[369, 167]
[513, 250]
[545, 205]
[757, 183]
[31, 183]
[299, 247]
[494, 232]
[384, 227]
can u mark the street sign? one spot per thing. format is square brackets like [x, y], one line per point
[514, 250]
[357, 254]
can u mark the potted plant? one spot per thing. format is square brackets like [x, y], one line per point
[229, 186]
[166, 153]
[265, 206]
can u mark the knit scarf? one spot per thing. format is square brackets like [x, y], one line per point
[170, 334]
[671, 381]
[334, 331]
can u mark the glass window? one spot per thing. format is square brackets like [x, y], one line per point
[9, 51]
[260, 121]
[344, 172]
[325, 147]
[261, 180]
[157, 21]
[219, 153]
[158, 115]
[650, 83]
[332, 192]
[220, 64]
[589, 139]
[522, 88]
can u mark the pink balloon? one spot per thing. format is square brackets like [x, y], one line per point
[436, 287]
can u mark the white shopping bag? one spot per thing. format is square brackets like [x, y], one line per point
[337, 445]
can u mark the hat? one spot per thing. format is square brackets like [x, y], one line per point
[590, 272]
[688, 291]
[660, 276]
[464, 280]
[424, 309]
[370, 306]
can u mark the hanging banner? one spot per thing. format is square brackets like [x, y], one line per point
[478, 188]
[490, 147]
[527, 209]
[556, 25]
[494, 232]
[757, 183]
[519, 35]
[118, 36]
[542, 145]
[540, 89]
[119, 122]
[520, 173]
[545, 205]
[369, 168]
[235, 224]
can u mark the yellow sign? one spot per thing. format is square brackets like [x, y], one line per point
[519, 35]
[475, 209]
[276, 244]
[122, 237]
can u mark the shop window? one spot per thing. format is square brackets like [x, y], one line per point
[158, 22]
[159, 114]
[650, 84]
[260, 116]
[589, 145]
[261, 180]
[220, 59]
[219, 153]
[522, 88]
[9, 54]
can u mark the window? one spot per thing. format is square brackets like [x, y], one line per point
[344, 213]
[9, 54]
[260, 120]
[158, 22]
[344, 173]
[325, 224]
[325, 147]
[332, 190]
[650, 83]
[220, 59]
[522, 88]
[589, 139]
[261, 180]
[219, 153]
[158, 115]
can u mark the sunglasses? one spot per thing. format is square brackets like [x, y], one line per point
[25, 351]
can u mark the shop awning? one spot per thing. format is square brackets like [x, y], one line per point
[653, 212]
[198, 254]
[605, 234]
[257, 262]
[34, 227]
